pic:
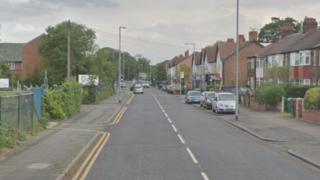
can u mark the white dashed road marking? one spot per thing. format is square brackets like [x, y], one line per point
[192, 156]
[181, 139]
[174, 128]
[204, 176]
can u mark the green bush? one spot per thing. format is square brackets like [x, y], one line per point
[213, 87]
[63, 101]
[296, 91]
[269, 94]
[93, 94]
[11, 137]
[312, 99]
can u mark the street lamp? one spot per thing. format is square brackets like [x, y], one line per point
[237, 65]
[194, 50]
[119, 65]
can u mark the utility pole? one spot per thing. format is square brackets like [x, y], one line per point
[119, 65]
[68, 60]
[237, 66]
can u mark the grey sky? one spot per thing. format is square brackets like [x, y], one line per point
[156, 29]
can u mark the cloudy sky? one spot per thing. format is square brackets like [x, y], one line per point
[157, 29]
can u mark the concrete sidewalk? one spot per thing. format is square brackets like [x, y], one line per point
[301, 139]
[49, 154]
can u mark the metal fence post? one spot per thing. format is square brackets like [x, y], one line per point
[32, 112]
[19, 112]
[0, 111]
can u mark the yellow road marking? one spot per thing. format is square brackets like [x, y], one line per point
[94, 158]
[83, 165]
[121, 115]
[130, 100]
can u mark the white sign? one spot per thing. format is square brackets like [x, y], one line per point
[181, 75]
[4, 83]
[87, 80]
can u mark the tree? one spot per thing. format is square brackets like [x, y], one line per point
[270, 32]
[160, 72]
[54, 50]
[187, 73]
[4, 70]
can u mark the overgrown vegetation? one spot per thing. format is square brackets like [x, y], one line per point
[269, 94]
[10, 137]
[62, 101]
[312, 99]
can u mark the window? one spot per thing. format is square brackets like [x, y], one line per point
[12, 66]
[306, 82]
[307, 57]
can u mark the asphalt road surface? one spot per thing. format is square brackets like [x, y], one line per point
[161, 138]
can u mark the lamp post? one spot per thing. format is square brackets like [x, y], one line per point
[119, 65]
[237, 64]
[194, 54]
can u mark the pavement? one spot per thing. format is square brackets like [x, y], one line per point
[160, 137]
[299, 138]
[49, 154]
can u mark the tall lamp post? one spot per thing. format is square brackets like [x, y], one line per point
[237, 65]
[194, 50]
[119, 65]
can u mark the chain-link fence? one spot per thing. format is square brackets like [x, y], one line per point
[17, 111]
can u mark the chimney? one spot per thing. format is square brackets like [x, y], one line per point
[286, 30]
[230, 40]
[242, 39]
[253, 36]
[309, 23]
[186, 54]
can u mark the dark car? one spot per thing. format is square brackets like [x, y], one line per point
[207, 101]
[193, 97]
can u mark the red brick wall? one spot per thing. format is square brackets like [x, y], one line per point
[229, 73]
[32, 61]
[17, 70]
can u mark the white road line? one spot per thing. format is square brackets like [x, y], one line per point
[165, 114]
[169, 120]
[204, 176]
[192, 156]
[174, 128]
[181, 139]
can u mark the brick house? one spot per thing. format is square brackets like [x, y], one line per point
[188, 62]
[247, 49]
[197, 70]
[23, 59]
[299, 52]
[32, 61]
[12, 54]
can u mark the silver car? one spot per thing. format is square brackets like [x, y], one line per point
[138, 89]
[224, 103]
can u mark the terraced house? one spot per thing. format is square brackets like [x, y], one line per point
[294, 58]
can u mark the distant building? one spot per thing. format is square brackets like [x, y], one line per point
[23, 59]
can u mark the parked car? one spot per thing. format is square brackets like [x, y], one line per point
[138, 89]
[203, 94]
[224, 102]
[193, 97]
[207, 102]
[170, 89]
[146, 84]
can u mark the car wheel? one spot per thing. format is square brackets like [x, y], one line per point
[201, 105]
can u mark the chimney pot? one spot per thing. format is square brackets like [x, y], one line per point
[309, 23]
[242, 39]
[253, 36]
[230, 40]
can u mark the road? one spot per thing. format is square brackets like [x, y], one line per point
[160, 138]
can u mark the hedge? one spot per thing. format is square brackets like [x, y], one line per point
[93, 94]
[269, 94]
[296, 91]
[312, 99]
[62, 101]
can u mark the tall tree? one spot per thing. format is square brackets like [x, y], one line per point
[54, 50]
[160, 73]
[270, 32]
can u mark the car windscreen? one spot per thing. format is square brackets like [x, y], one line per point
[226, 97]
[194, 93]
[210, 95]
[137, 86]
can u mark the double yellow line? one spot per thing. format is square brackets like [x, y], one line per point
[85, 167]
[119, 116]
[130, 99]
